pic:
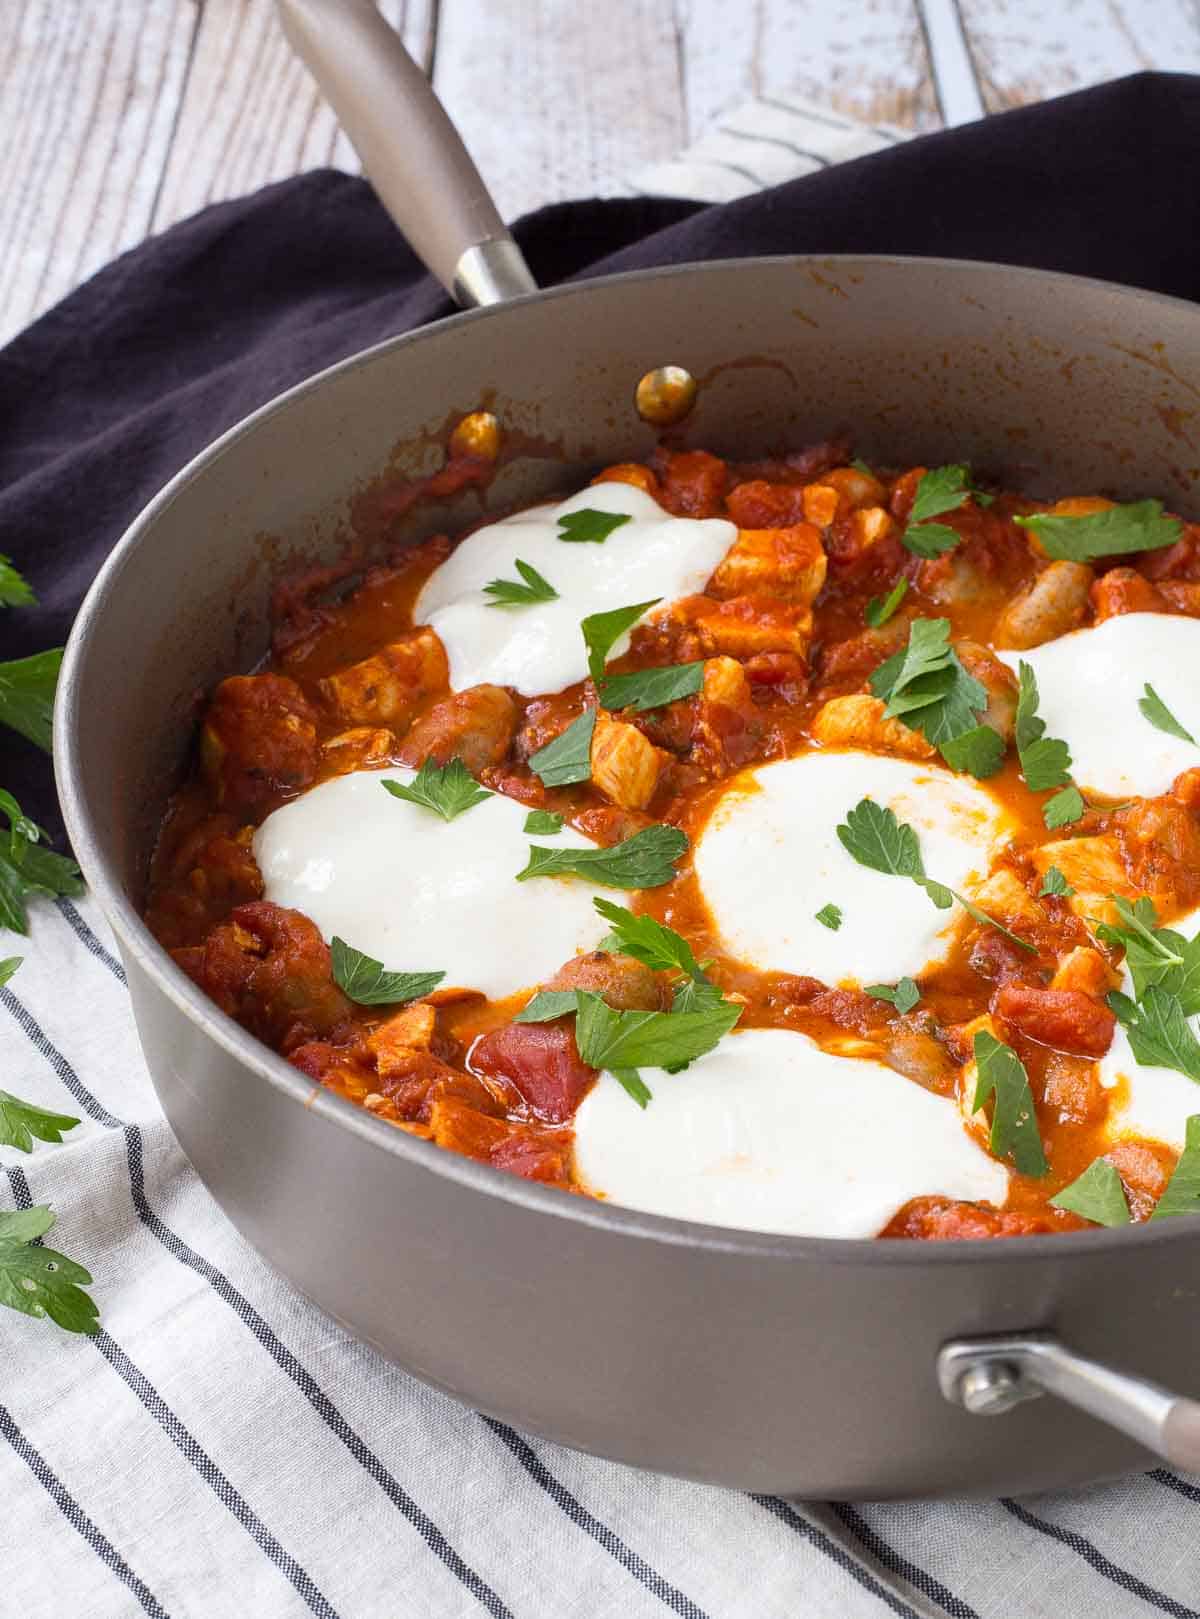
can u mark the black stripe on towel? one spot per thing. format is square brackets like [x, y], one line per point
[88, 939]
[249, 1316]
[591, 1525]
[837, 1554]
[199, 1459]
[777, 140]
[1095, 1557]
[29, 1025]
[78, 1518]
[896, 1563]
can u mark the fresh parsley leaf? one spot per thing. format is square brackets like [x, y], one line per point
[21, 1121]
[38, 1281]
[652, 688]
[930, 539]
[880, 608]
[602, 631]
[364, 980]
[860, 465]
[941, 489]
[1160, 716]
[647, 940]
[1001, 1079]
[1045, 761]
[508, 593]
[979, 751]
[696, 995]
[569, 757]
[8, 967]
[926, 686]
[14, 589]
[1155, 956]
[646, 860]
[671, 1040]
[873, 836]
[447, 789]
[1138, 526]
[1063, 808]
[830, 916]
[634, 1084]
[543, 823]
[903, 996]
[1160, 1035]
[1055, 883]
[26, 868]
[590, 526]
[1182, 1195]
[547, 1005]
[1097, 1195]
[27, 695]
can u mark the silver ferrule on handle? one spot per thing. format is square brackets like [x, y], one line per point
[411, 152]
[988, 1376]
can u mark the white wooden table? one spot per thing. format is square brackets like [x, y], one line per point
[118, 117]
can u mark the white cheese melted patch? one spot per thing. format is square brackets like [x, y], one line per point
[539, 648]
[422, 894]
[770, 1133]
[1156, 1101]
[1089, 683]
[769, 859]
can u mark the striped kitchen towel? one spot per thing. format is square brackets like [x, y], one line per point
[222, 1450]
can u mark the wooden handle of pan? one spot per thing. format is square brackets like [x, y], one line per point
[412, 153]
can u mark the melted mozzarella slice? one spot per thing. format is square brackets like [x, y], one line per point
[1152, 1102]
[1089, 683]
[422, 894]
[770, 1133]
[540, 648]
[769, 859]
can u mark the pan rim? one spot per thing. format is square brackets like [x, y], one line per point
[422, 1155]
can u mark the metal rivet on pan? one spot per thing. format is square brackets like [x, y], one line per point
[477, 435]
[991, 1389]
[665, 395]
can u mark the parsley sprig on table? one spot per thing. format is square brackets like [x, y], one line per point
[1045, 760]
[1118, 531]
[872, 835]
[448, 790]
[28, 868]
[925, 685]
[37, 1281]
[1000, 1078]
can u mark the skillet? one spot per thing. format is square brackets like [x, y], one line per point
[793, 1365]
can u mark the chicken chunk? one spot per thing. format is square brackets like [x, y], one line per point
[386, 688]
[1094, 868]
[1004, 896]
[1124, 590]
[476, 726]
[786, 563]
[744, 626]
[858, 721]
[625, 764]
[359, 748]
[1055, 602]
[1086, 970]
[393, 1043]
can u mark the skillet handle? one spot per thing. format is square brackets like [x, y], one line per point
[988, 1376]
[412, 153]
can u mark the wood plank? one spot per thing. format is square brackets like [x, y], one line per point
[1026, 52]
[90, 96]
[250, 111]
[868, 59]
[556, 99]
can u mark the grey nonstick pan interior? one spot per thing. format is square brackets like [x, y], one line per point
[801, 1366]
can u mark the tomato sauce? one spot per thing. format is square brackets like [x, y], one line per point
[262, 745]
